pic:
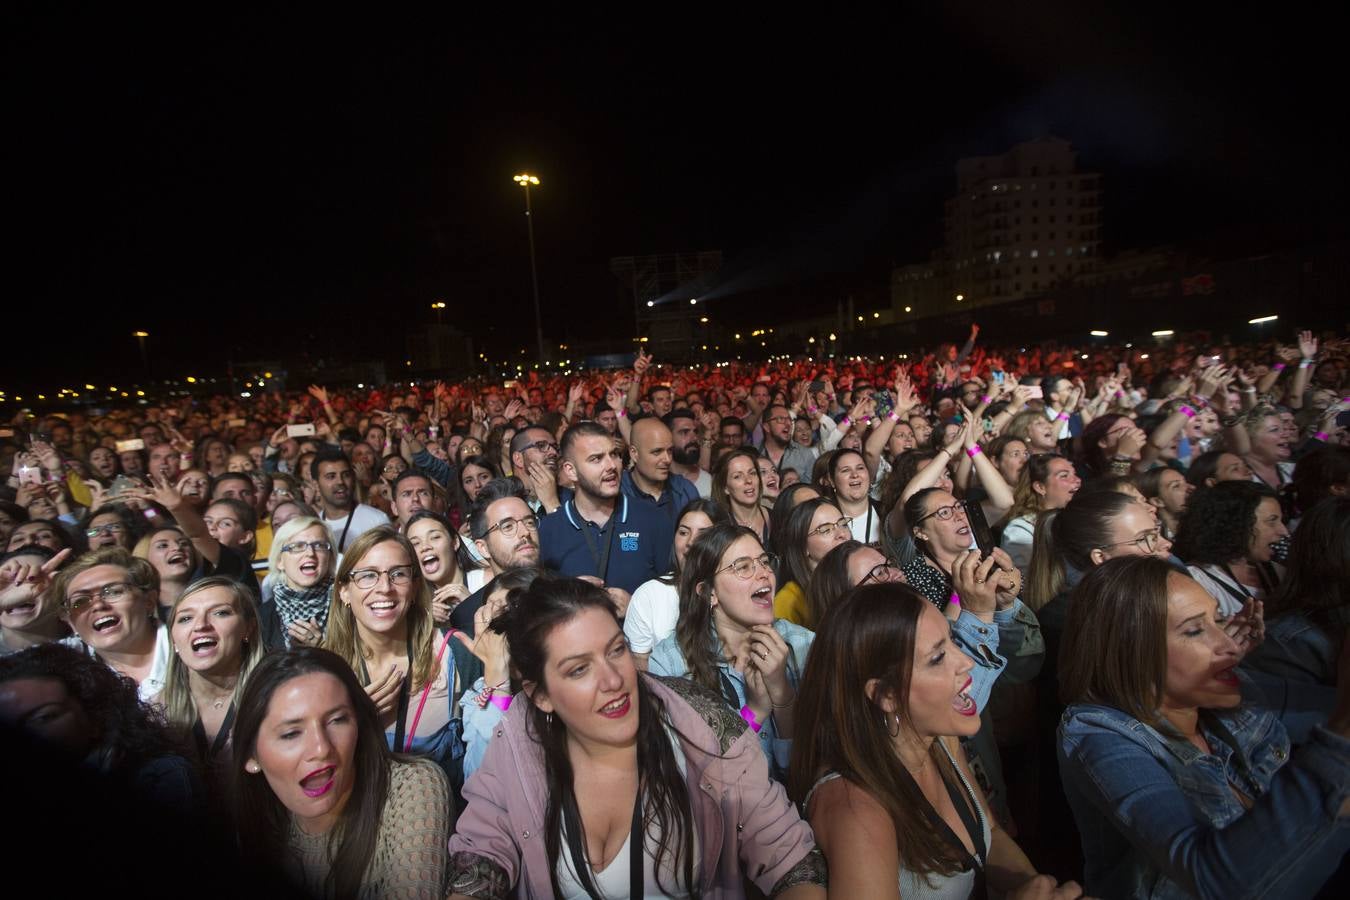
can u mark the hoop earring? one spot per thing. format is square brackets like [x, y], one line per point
[886, 723]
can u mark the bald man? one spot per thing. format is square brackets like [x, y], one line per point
[648, 479]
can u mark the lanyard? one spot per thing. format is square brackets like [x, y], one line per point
[403, 696]
[601, 556]
[206, 751]
[345, 528]
[637, 850]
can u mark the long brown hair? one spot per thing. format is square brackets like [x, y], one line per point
[342, 637]
[262, 822]
[867, 635]
[530, 616]
[1114, 649]
[694, 630]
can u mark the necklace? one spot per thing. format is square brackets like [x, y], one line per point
[218, 703]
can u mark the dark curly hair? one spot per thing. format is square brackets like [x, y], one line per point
[1217, 525]
[1318, 579]
[127, 732]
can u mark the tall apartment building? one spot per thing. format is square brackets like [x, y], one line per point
[1019, 223]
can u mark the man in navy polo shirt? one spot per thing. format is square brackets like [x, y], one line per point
[599, 533]
[650, 481]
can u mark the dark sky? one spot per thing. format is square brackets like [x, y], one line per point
[273, 186]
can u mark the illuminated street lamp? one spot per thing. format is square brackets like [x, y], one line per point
[140, 337]
[527, 181]
[438, 306]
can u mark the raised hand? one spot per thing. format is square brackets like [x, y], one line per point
[575, 392]
[444, 600]
[1307, 345]
[318, 393]
[642, 363]
[513, 409]
[1247, 627]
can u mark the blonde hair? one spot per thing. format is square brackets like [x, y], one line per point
[343, 637]
[283, 536]
[176, 698]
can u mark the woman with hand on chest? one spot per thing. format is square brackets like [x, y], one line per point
[380, 621]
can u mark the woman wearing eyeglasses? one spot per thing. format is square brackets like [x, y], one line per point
[814, 528]
[380, 622]
[302, 561]
[729, 641]
[112, 525]
[110, 600]
[981, 596]
[846, 566]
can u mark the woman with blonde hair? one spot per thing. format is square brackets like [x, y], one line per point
[214, 629]
[301, 563]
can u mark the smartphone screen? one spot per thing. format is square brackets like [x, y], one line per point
[1035, 392]
[979, 529]
[299, 430]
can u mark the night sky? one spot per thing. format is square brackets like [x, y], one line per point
[261, 186]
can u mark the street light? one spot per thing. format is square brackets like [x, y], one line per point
[438, 306]
[140, 337]
[527, 181]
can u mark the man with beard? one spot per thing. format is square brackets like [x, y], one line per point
[599, 534]
[412, 493]
[534, 460]
[650, 481]
[684, 451]
[779, 447]
[506, 533]
[336, 480]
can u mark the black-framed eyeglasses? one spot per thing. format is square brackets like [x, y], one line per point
[302, 546]
[508, 527]
[881, 572]
[109, 593]
[945, 513]
[844, 524]
[744, 567]
[1149, 541]
[365, 579]
[541, 446]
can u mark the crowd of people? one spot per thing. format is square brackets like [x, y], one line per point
[1023, 617]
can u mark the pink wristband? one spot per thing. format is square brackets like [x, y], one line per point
[1321, 436]
[1119, 394]
[622, 412]
[954, 599]
[748, 715]
[1062, 417]
[985, 399]
[893, 416]
[1278, 367]
[844, 420]
[974, 451]
[501, 701]
[1188, 412]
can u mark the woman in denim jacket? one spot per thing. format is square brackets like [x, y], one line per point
[728, 641]
[602, 780]
[1310, 613]
[1178, 786]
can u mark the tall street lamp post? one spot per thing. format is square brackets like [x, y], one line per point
[527, 181]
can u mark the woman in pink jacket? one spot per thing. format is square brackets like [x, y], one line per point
[602, 780]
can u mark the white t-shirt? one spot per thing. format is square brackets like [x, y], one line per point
[703, 482]
[860, 529]
[652, 613]
[363, 519]
[159, 668]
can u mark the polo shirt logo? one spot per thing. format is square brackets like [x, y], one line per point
[628, 541]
